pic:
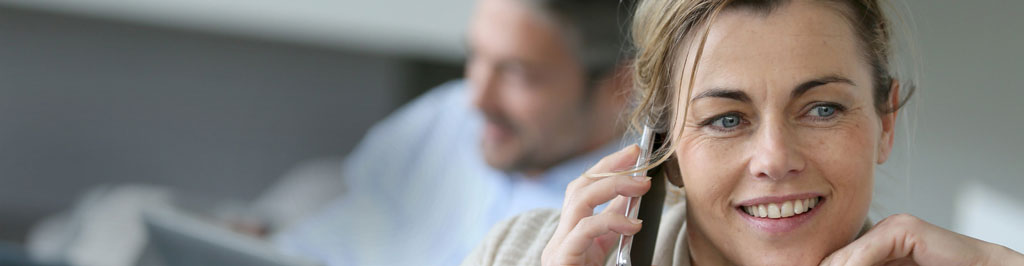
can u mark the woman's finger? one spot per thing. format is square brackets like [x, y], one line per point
[868, 247]
[621, 160]
[618, 161]
[582, 236]
[905, 238]
[582, 203]
[893, 238]
[617, 205]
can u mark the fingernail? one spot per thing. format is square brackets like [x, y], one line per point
[636, 221]
[641, 178]
[627, 148]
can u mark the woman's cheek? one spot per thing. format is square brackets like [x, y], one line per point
[847, 149]
[844, 156]
[711, 169]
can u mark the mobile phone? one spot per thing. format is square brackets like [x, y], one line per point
[638, 249]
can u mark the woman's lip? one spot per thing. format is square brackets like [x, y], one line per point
[781, 225]
[777, 199]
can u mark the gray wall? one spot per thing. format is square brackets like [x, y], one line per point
[85, 102]
[966, 152]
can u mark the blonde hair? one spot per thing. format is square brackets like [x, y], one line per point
[661, 27]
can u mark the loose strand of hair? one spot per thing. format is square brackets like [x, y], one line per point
[667, 148]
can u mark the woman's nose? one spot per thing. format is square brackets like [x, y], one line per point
[775, 153]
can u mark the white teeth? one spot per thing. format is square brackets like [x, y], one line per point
[773, 211]
[787, 209]
[781, 210]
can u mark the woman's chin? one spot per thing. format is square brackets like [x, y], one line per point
[803, 247]
[799, 243]
[784, 261]
[807, 255]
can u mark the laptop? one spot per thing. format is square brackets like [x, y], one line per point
[177, 238]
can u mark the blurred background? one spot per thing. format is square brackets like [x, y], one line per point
[221, 98]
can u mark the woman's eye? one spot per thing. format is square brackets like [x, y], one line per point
[824, 111]
[727, 121]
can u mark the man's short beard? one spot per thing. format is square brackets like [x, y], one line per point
[531, 158]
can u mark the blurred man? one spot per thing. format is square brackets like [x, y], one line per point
[544, 91]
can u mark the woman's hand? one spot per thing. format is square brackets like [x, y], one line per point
[903, 239]
[585, 238]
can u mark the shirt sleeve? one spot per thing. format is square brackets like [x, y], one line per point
[374, 177]
[376, 162]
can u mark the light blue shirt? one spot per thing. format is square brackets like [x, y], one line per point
[418, 191]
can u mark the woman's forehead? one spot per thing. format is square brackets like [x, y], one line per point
[797, 42]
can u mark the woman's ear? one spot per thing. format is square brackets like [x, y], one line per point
[671, 170]
[889, 123]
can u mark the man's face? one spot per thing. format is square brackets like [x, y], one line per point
[527, 83]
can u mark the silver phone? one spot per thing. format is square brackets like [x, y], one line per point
[622, 256]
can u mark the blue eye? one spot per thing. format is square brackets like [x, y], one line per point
[727, 121]
[823, 111]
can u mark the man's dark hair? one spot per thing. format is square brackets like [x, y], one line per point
[596, 29]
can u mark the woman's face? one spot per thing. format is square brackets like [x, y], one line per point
[781, 115]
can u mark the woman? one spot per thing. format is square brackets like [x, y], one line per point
[778, 113]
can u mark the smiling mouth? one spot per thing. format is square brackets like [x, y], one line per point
[781, 209]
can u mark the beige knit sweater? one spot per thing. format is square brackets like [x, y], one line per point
[521, 239]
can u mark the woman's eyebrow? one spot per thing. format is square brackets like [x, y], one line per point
[810, 84]
[797, 91]
[723, 93]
